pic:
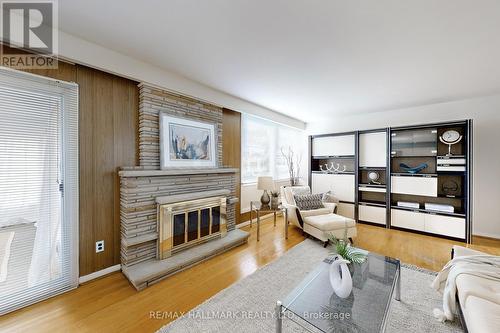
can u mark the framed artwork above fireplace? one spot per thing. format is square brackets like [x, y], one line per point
[186, 143]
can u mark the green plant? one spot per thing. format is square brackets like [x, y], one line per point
[343, 248]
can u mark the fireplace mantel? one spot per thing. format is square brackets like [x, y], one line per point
[134, 172]
[191, 196]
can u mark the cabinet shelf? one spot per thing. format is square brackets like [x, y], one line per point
[372, 185]
[372, 189]
[452, 156]
[459, 197]
[372, 203]
[412, 156]
[429, 175]
[334, 157]
[440, 172]
[334, 173]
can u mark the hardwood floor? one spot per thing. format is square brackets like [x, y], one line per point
[111, 304]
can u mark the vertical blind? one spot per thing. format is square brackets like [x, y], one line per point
[261, 145]
[38, 188]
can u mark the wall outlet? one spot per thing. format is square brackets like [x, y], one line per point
[99, 246]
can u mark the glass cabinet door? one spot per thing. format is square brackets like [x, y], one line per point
[418, 142]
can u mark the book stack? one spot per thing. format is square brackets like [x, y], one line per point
[448, 163]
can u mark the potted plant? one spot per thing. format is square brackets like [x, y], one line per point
[275, 199]
[347, 252]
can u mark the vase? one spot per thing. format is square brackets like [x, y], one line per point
[340, 277]
[264, 199]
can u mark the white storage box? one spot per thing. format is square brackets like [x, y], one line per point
[415, 185]
[445, 225]
[372, 214]
[373, 149]
[342, 145]
[342, 186]
[408, 219]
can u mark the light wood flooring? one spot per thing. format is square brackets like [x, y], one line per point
[111, 304]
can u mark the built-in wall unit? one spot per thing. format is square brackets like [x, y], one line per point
[333, 166]
[373, 175]
[414, 178]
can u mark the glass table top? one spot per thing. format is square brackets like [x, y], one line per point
[257, 205]
[314, 305]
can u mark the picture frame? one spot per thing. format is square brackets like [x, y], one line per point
[186, 143]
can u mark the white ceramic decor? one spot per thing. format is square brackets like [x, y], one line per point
[341, 284]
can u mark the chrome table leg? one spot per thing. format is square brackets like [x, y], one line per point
[279, 318]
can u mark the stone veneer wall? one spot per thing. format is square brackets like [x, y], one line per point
[153, 100]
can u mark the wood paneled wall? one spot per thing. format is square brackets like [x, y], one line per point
[231, 148]
[108, 140]
[108, 122]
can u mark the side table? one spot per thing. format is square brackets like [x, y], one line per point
[258, 208]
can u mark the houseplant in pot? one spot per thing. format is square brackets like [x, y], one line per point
[342, 268]
[275, 199]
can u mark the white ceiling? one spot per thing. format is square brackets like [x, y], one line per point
[308, 59]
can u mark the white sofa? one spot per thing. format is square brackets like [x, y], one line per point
[320, 223]
[477, 314]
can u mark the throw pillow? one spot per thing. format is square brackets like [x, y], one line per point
[309, 201]
[292, 191]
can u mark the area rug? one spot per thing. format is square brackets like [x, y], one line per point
[248, 305]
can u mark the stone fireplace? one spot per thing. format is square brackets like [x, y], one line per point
[173, 219]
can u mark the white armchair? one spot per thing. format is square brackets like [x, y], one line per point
[320, 223]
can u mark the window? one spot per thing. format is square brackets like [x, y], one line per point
[262, 141]
[38, 188]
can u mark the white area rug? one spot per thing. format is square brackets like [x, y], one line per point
[248, 305]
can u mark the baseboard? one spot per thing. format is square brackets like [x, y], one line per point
[489, 236]
[243, 224]
[264, 217]
[98, 274]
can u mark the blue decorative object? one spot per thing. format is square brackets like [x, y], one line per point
[414, 170]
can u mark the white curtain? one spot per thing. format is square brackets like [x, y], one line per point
[261, 145]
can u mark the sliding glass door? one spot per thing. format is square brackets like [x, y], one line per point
[38, 188]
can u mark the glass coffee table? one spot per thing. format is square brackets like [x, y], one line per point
[314, 306]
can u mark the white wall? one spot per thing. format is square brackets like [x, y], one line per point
[84, 52]
[485, 112]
